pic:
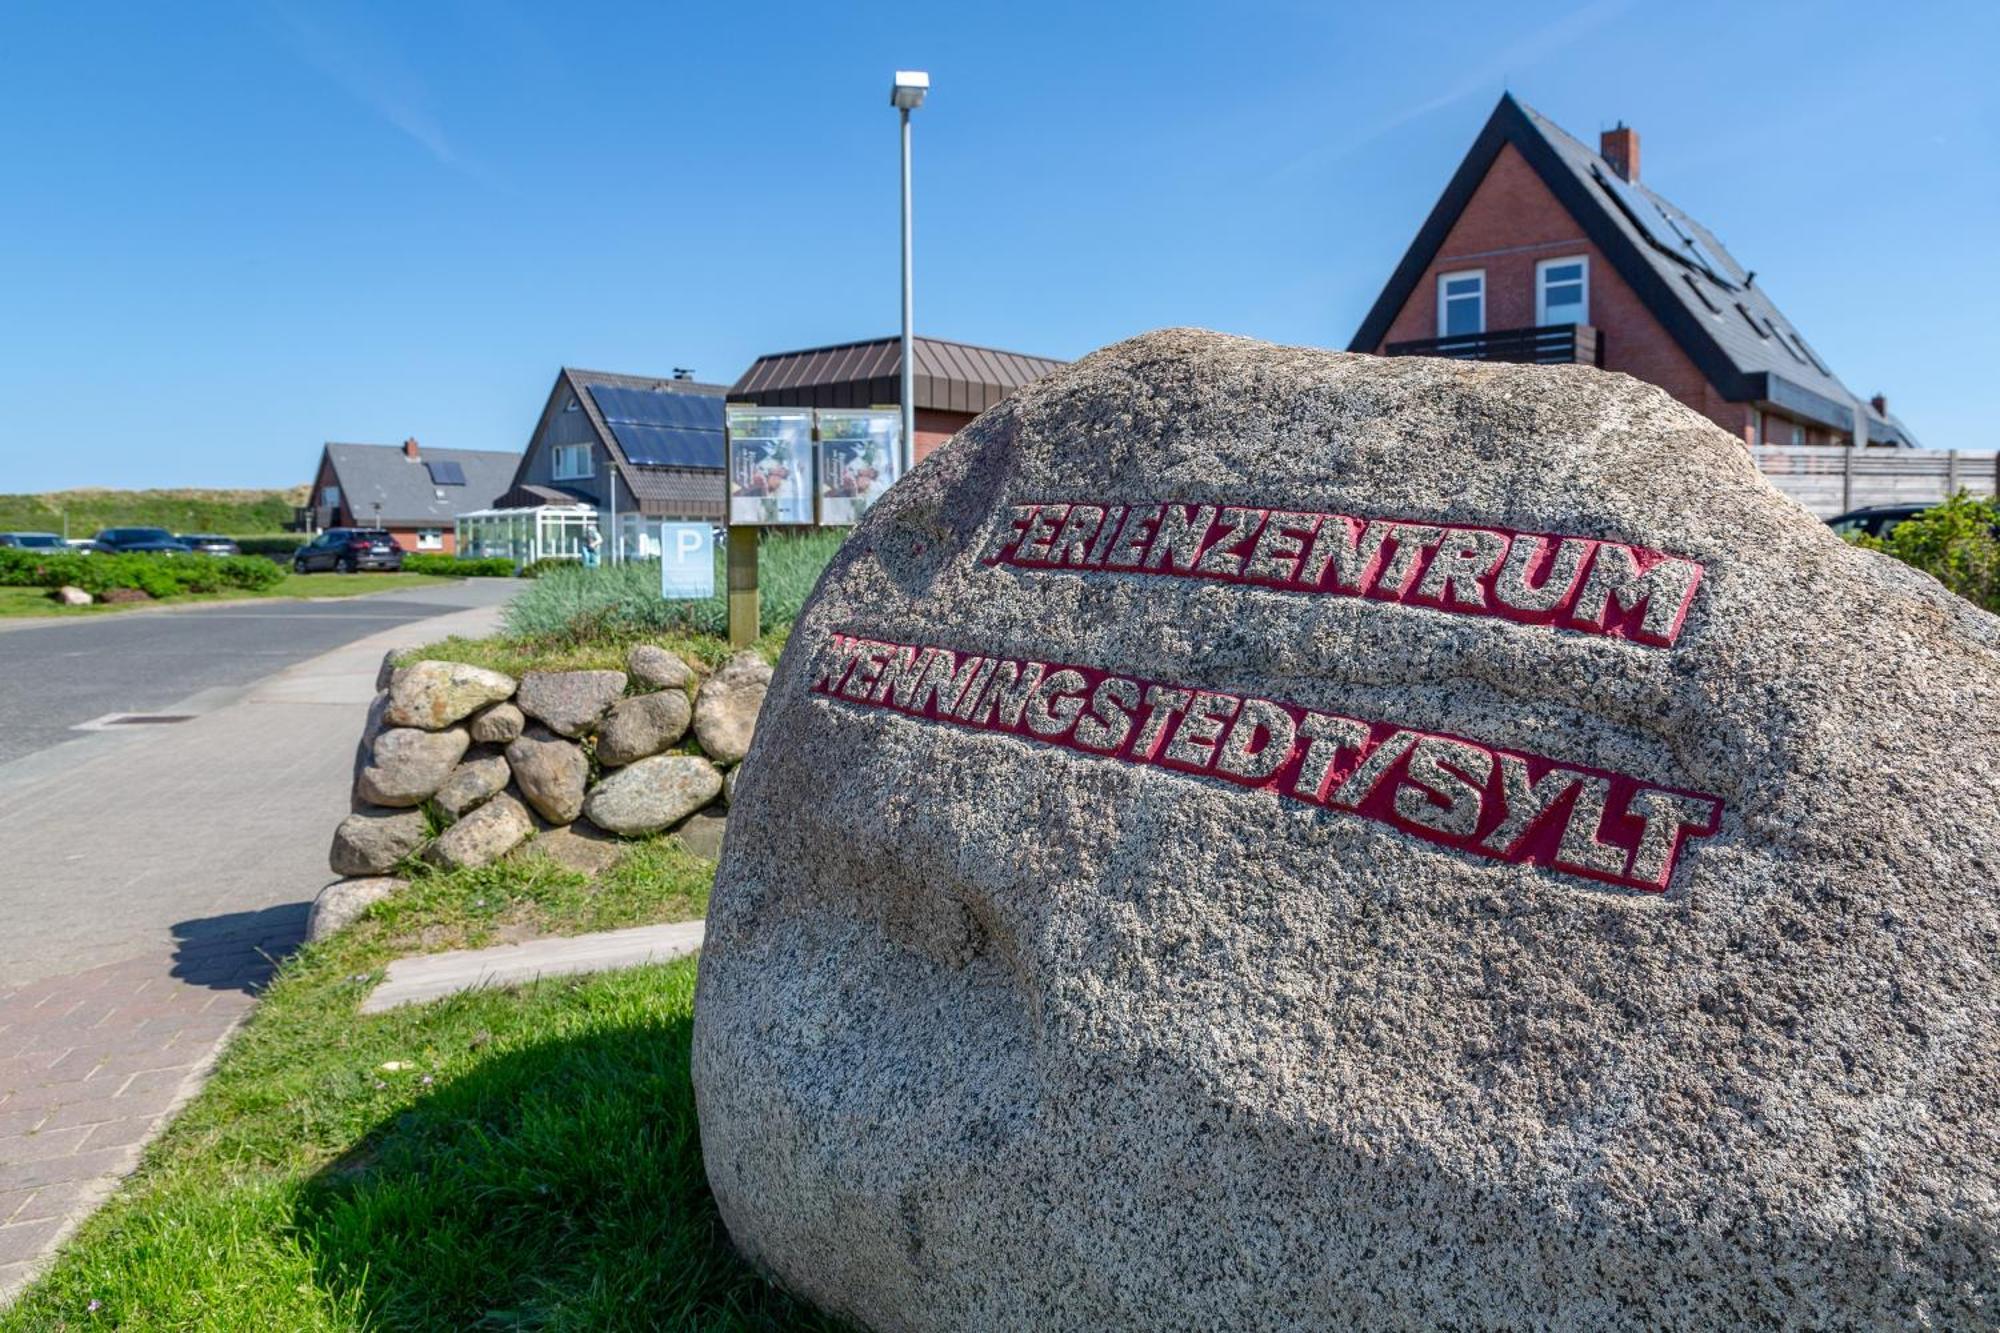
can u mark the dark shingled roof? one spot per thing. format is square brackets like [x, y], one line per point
[1734, 333]
[372, 474]
[679, 491]
[949, 376]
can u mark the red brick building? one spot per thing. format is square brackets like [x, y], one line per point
[413, 492]
[954, 382]
[1542, 250]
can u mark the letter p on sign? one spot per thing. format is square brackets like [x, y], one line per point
[687, 561]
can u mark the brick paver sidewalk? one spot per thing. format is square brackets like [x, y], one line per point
[93, 1062]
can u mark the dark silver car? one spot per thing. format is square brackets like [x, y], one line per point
[33, 541]
[208, 543]
[347, 550]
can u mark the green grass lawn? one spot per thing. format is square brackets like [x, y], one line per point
[523, 1159]
[36, 601]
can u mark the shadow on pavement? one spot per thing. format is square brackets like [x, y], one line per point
[237, 950]
[556, 1186]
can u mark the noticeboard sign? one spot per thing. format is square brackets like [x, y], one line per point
[860, 457]
[770, 466]
[687, 561]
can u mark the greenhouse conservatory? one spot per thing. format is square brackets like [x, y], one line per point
[544, 532]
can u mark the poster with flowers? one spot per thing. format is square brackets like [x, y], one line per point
[770, 466]
[860, 456]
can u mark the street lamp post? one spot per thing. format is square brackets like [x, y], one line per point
[906, 95]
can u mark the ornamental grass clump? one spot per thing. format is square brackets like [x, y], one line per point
[574, 603]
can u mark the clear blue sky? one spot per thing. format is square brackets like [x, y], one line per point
[232, 231]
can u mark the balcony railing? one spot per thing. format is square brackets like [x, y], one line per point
[1543, 345]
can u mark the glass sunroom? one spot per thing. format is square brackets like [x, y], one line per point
[544, 532]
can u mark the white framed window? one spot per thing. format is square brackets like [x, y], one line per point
[1562, 290]
[1461, 303]
[572, 461]
[430, 539]
[329, 496]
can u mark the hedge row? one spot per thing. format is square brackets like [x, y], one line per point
[154, 575]
[489, 567]
[277, 546]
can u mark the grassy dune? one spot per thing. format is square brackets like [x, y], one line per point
[237, 513]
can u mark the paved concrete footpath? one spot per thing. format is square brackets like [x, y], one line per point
[149, 875]
[432, 976]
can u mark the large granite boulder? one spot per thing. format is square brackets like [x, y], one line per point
[437, 694]
[642, 725]
[1257, 838]
[726, 706]
[410, 764]
[569, 702]
[652, 794]
[551, 772]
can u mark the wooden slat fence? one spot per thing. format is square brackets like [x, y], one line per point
[1830, 479]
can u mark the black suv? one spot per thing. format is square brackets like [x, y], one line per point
[116, 541]
[349, 549]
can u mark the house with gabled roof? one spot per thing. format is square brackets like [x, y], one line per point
[1543, 250]
[414, 492]
[644, 448]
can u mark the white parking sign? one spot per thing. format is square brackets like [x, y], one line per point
[687, 561]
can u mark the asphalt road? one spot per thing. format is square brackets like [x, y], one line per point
[56, 675]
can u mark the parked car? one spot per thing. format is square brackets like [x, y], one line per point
[347, 550]
[207, 543]
[33, 541]
[118, 541]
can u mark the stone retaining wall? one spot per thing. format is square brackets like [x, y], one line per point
[578, 759]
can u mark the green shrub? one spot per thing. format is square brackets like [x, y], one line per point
[574, 603]
[534, 569]
[161, 575]
[488, 567]
[277, 546]
[1957, 543]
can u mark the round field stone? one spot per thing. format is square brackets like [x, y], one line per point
[725, 709]
[642, 725]
[409, 765]
[569, 702]
[437, 694]
[652, 794]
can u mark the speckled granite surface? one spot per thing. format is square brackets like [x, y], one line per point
[1005, 1028]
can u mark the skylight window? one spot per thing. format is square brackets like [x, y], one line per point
[1751, 320]
[1694, 286]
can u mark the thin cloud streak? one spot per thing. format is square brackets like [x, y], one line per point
[374, 76]
[1512, 59]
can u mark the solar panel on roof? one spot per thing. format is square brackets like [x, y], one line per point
[446, 473]
[659, 428]
[1663, 231]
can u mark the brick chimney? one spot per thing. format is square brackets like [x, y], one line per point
[1620, 147]
[410, 448]
[1880, 404]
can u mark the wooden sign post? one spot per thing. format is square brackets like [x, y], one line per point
[742, 580]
